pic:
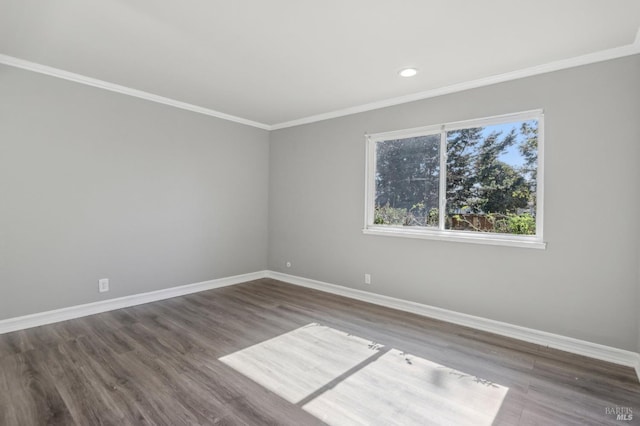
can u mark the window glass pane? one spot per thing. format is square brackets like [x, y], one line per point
[407, 181]
[491, 178]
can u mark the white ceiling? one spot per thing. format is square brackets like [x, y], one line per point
[282, 60]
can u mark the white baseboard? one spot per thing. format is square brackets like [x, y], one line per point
[568, 344]
[57, 315]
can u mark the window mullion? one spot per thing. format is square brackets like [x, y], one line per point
[443, 179]
[401, 157]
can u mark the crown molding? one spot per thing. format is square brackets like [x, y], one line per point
[603, 55]
[112, 87]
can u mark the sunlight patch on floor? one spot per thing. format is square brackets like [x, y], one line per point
[403, 389]
[343, 379]
[300, 362]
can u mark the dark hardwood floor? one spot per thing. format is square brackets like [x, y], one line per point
[265, 352]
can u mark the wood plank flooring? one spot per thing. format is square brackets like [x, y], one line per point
[266, 352]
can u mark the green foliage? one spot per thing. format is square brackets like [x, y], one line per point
[461, 178]
[433, 217]
[523, 224]
[407, 173]
[511, 223]
[503, 189]
[483, 192]
[529, 150]
[387, 215]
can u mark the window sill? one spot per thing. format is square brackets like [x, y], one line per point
[459, 237]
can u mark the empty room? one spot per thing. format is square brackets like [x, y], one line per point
[330, 212]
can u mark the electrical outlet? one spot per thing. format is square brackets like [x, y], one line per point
[367, 278]
[288, 264]
[103, 285]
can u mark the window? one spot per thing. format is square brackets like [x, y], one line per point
[485, 175]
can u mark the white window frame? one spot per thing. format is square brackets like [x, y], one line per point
[526, 241]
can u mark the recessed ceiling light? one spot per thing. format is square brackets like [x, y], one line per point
[408, 72]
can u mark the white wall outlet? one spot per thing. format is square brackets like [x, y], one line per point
[288, 264]
[367, 278]
[103, 285]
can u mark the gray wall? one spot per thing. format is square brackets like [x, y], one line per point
[584, 285]
[95, 184]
